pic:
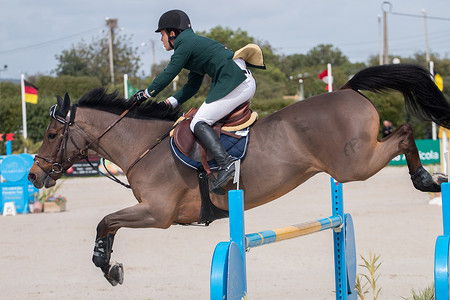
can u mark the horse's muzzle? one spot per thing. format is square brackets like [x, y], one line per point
[40, 179]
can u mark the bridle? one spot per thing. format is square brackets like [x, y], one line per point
[58, 163]
[61, 165]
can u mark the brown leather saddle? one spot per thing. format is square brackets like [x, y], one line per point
[186, 142]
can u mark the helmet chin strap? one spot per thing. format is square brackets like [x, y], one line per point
[170, 38]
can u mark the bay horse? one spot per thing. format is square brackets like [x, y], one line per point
[336, 133]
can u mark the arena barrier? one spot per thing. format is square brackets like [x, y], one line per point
[228, 269]
[441, 254]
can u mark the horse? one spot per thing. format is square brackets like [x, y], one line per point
[336, 133]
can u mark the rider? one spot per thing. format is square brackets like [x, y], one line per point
[231, 84]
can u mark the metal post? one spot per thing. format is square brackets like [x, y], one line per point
[24, 106]
[433, 125]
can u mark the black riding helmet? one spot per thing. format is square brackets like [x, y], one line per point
[174, 19]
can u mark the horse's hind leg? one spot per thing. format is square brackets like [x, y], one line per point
[402, 142]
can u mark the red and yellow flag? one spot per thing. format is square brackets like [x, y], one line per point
[31, 93]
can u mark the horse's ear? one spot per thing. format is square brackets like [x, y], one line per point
[66, 99]
[59, 100]
[65, 106]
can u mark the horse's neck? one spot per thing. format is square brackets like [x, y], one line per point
[124, 142]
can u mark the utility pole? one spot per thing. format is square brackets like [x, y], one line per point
[386, 48]
[427, 48]
[111, 23]
[386, 7]
[380, 41]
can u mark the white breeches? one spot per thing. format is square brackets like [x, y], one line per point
[214, 111]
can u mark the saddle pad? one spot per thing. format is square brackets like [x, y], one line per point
[237, 148]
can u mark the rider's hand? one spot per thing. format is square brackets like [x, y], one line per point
[164, 105]
[139, 97]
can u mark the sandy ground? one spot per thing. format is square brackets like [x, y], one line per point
[48, 255]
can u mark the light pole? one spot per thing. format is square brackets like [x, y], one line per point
[380, 41]
[111, 23]
[427, 48]
[386, 6]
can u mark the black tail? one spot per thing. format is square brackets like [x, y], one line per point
[422, 96]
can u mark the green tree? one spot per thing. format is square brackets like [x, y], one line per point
[93, 59]
[233, 39]
[324, 54]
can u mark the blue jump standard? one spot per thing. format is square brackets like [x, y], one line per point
[228, 268]
[442, 249]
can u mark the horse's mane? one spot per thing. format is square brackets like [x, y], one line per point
[99, 99]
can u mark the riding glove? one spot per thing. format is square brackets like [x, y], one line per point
[140, 97]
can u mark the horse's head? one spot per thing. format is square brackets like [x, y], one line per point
[56, 155]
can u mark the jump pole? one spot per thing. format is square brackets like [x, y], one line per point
[228, 268]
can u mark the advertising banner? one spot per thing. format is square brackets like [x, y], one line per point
[429, 152]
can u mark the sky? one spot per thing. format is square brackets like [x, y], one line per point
[33, 32]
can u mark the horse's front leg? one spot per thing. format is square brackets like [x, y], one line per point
[138, 216]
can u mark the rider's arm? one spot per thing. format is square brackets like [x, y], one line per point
[176, 64]
[188, 90]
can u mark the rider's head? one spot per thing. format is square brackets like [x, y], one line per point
[173, 23]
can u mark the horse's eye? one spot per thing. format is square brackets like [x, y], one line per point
[51, 136]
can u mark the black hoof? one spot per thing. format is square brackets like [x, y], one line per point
[114, 274]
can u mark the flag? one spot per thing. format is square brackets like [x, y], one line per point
[131, 89]
[10, 136]
[324, 77]
[31, 93]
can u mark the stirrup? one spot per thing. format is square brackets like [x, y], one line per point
[217, 184]
[212, 187]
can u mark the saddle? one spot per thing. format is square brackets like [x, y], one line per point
[184, 139]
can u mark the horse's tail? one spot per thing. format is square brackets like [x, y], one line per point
[422, 96]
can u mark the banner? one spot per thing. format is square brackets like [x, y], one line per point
[83, 168]
[429, 153]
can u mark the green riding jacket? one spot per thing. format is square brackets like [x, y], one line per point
[199, 55]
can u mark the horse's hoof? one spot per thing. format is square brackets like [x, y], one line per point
[438, 179]
[115, 274]
[423, 181]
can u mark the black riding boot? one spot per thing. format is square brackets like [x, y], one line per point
[209, 139]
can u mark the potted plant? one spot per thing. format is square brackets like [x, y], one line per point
[49, 202]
